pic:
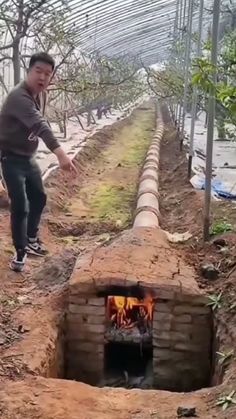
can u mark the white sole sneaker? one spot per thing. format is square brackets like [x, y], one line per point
[33, 250]
[16, 265]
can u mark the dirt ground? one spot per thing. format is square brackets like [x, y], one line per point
[181, 211]
[83, 213]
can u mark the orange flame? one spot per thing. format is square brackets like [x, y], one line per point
[126, 312]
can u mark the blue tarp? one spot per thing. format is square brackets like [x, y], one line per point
[219, 189]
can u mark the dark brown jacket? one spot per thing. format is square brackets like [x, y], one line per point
[21, 123]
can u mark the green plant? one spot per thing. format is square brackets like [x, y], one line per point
[215, 301]
[166, 83]
[226, 401]
[224, 89]
[224, 357]
[220, 227]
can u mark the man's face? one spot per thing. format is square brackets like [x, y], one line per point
[39, 76]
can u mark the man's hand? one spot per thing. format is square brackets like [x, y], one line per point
[67, 164]
[64, 161]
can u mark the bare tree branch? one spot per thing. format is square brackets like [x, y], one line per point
[63, 58]
[5, 58]
[3, 84]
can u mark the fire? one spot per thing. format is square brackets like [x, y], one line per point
[127, 312]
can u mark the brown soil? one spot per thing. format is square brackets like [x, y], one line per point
[32, 304]
[182, 210]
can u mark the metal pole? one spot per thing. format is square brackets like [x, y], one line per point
[211, 119]
[180, 63]
[183, 61]
[187, 61]
[195, 93]
[175, 40]
[178, 24]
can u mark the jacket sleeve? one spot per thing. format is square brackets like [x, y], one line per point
[22, 107]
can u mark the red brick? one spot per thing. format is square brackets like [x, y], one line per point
[98, 302]
[160, 326]
[87, 309]
[184, 318]
[188, 309]
[162, 317]
[73, 299]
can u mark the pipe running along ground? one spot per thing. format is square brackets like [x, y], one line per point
[147, 209]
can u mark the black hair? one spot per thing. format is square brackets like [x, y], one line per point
[43, 57]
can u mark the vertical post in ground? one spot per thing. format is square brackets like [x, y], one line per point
[175, 41]
[211, 119]
[182, 13]
[195, 93]
[186, 66]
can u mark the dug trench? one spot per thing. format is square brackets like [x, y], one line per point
[88, 214]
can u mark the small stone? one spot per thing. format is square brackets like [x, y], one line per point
[220, 242]
[224, 250]
[186, 412]
[103, 238]
[24, 299]
[209, 271]
[22, 329]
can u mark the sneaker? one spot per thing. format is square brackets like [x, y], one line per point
[18, 262]
[35, 247]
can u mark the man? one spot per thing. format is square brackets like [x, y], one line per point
[21, 123]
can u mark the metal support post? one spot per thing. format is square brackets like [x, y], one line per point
[211, 119]
[186, 65]
[175, 41]
[183, 23]
[181, 6]
[195, 93]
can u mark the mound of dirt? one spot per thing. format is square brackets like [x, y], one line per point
[55, 271]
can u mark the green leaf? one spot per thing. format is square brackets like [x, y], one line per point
[225, 406]
[196, 78]
[231, 394]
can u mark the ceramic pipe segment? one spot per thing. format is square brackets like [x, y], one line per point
[147, 210]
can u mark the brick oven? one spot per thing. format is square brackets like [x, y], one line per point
[137, 318]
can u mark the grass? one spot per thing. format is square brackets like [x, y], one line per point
[224, 357]
[215, 301]
[113, 203]
[220, 227]
[111, 196]
[226, 401]
[224, 216]
[137, 139]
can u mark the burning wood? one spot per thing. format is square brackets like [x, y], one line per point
[128, 313]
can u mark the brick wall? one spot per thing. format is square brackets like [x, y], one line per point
[181, 342]
[85, 339]
[181, 346]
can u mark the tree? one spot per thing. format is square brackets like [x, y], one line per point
[81, 83]
[25, 22]
[165, 83]
[97, 79]
[225, 89]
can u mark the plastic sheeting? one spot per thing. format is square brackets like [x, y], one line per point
[224, 161]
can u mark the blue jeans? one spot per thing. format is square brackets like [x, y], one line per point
[23, 179]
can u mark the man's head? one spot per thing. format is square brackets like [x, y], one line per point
[41, 67]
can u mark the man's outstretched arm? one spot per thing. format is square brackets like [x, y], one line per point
[24, 110]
